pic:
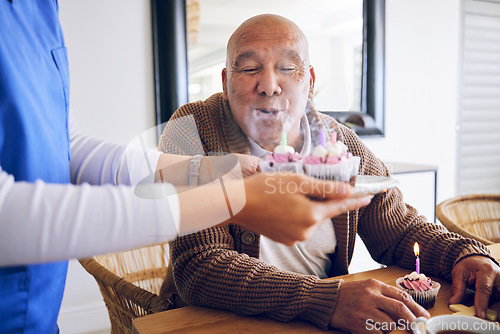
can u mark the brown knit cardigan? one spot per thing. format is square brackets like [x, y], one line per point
[219, 267]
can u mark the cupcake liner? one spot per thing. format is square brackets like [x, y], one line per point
[426, 299]
[341, 172]
[270, 166]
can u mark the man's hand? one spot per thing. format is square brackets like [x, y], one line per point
[362, 303]
[483, 275]
[289, 207]
[232, 166]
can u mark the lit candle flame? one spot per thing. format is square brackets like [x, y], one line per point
[416, 249]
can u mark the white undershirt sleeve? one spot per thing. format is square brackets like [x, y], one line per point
[98, 162]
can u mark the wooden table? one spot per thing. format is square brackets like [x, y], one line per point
[195, 319]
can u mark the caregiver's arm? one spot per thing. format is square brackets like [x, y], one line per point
[42, 222]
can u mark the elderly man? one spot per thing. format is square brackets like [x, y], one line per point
[268, 81]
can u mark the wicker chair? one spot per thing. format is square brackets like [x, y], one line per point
[130, 282]
[473, 216]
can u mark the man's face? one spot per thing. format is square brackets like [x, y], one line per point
[268, 81]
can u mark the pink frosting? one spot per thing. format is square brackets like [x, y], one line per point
[283, 158]
[417, 285]
[311, 159]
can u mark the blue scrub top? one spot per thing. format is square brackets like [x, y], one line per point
[34, 145]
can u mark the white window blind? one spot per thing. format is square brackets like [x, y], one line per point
[479, 136]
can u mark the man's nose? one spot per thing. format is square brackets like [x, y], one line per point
[269, 83]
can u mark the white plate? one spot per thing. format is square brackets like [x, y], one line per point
[372, 184]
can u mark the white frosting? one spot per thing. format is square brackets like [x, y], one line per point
[283, 149]
[319, 151]
[336, 149]
[414, 276]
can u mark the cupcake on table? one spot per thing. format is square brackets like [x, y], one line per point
[421, 288]
[332, 161]
[283, 158]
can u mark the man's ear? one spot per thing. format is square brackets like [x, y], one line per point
[224, 83]
[312, 80]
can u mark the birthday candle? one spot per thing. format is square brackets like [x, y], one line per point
[334, 136]
[322, 138]
[416, 250]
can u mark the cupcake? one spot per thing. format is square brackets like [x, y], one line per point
[332, 161]
[422, 289]
[284, 158]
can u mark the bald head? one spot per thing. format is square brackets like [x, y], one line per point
[267, 27]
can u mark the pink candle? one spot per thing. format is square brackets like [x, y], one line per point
[334, 136]
[416, 250]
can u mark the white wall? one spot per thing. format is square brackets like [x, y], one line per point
[112, 96]
[111, 67]
[422, 55]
